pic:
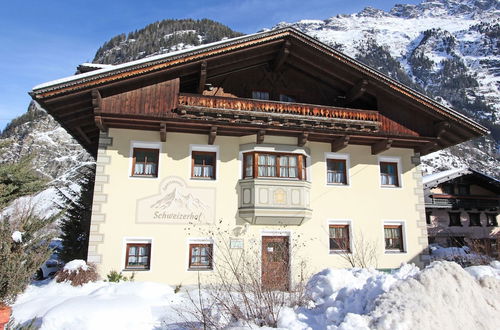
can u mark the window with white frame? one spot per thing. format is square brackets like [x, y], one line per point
[204, 161]
[337, 168]
[138, 254]
[390, 172]
[145, 159]
[394, 237]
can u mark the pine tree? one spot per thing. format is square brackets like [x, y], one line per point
[75, 224]
[18, 179]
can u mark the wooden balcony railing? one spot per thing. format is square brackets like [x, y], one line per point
[229, 103]
[464, 202]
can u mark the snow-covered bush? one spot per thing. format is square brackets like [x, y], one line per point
[464, 256]
[77, 272]
[24, 247]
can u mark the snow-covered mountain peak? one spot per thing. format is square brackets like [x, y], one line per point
[470, 9]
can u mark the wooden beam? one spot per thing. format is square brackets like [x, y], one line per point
[340, 143]
[260, 136]
[99, 122]
[282, 56]
[96, 100]
[212, 135]
[83, 135]
[381, 146]
[203, 77]
[302, 139]
[163, 132]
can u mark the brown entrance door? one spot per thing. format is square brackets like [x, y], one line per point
[275, 263]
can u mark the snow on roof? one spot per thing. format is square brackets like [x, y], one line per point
[442, 175]
[96, 65]
[144, 60]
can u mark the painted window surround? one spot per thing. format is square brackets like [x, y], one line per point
[401, 223]
[204, 148]
[137, 240]
[396, 160]
[145, 145]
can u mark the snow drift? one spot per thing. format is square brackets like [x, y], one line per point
[442, 296]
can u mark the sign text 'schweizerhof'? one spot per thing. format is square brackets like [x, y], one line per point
[177, 203]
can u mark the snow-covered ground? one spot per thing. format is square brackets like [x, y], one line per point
[442, 296]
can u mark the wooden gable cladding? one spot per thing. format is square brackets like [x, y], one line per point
[151, 101]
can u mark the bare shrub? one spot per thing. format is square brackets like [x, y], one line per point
[363, 253]
[78, 276]
[236, 293]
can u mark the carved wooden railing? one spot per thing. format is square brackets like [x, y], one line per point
[218, 102]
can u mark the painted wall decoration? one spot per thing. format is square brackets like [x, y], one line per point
[177, 203]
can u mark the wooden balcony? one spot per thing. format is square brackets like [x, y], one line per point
[462, 202]
[290, 113]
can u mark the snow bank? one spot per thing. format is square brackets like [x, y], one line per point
[98, 305]
[442, 296]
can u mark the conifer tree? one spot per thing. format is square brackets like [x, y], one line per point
[18, 179]
[75, 224]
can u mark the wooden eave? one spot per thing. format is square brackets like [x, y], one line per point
[70, 100]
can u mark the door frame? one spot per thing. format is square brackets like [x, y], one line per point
[278, 233]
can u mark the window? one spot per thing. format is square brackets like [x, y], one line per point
[455, 219]
[428, 217]
[138, 256]
[259, 95]
[286, 98]
[339, 238]
[393, 237]
[474, 219]
[463, 189]
[389, 174]
[273, 165]
[203, 164]
[200, 256]
[145, 162]
[448, 189]
[336, 171]
[491, 220]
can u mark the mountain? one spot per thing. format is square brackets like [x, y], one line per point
[446, 49]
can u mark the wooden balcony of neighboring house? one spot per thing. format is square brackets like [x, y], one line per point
[463, 202]
[278, 113]
[265, 201]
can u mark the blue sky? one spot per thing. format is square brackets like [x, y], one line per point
[46, 40]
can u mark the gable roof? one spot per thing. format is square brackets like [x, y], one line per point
[432, 180]
[46, 92]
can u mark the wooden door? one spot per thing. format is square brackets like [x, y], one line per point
[275, 263]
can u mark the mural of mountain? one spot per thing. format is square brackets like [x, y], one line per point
[176, 201]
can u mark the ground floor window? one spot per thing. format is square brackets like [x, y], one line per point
[200, 256]
[138, 256]
[339, 238]
[393, 237]
[474, 219]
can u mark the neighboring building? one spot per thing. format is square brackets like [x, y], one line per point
[273, 143]
[462, 207]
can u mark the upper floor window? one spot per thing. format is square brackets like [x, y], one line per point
[274, 165]
[260, 95]
[203, 164]
[286, 98]
[428, 217]
[389, 174]
[145, 162]
[455, 219]
[474, 219]
[336, 171]
[491, 220]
